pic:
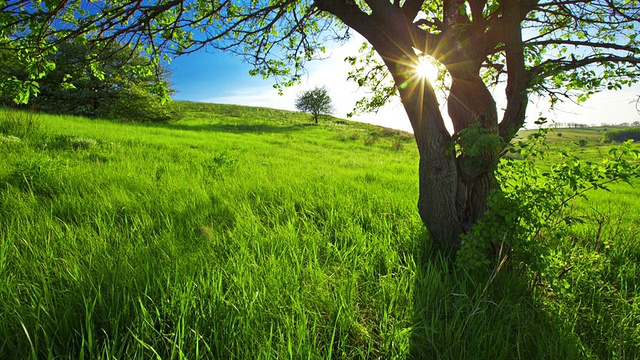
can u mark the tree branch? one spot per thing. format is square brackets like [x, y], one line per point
[477, 7]
[553, 66]
[590, 44]
[518, 79]
[411, 8]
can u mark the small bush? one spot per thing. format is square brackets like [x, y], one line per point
[217, 165]
[399, 134]
[83, 143]
[581, 142]
[10, 139]
[59, 142]
[527, 215]
[370, 140]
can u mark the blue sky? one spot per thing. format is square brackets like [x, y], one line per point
[218, 77]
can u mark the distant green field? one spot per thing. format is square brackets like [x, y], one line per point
[566, 136]
[249, 233]
[591, 148]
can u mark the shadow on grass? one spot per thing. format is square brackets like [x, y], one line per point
[458, 315]
[236, 128]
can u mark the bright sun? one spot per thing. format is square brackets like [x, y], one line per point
[426, 69]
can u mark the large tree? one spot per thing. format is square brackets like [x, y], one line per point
[555, 48]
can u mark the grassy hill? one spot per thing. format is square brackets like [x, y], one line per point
[250, 233]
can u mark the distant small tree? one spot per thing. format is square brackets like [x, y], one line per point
[315, 102]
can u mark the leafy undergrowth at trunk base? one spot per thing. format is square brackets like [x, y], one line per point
[246, 233]
[556, 219]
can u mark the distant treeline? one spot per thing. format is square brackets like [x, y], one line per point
[621, 135]
[582, 126]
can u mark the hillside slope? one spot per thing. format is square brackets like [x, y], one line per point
[251, 233]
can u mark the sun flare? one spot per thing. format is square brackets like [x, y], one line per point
[426, 69]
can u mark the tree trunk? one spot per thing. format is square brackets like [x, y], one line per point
[453, 189]
[470, 104]
[437, 203]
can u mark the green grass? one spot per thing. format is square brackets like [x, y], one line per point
[249, 233]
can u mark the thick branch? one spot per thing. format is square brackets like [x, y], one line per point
[377, 6]
[590, 44]
[350, 14]
[411, 8]
[451, 10]
[518, 80]
[477, 7]
[560, 65]
[505, 17]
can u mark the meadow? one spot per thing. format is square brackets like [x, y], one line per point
[250, 233]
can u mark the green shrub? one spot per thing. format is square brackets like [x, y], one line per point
[83, 143]
[531, 210]
[117, 86]
[370, 140]
[136, 104]
[621, 135]
[581, 142]
[397, 144]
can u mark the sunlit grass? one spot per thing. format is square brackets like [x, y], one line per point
[250, 233]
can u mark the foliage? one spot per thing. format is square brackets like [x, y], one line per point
[278, 38]
[21, 71]
[474, 141]
[621, 135]
[559, 221]
[315, 101]
[116, 87]
[531, 210]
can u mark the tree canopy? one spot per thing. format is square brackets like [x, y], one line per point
[315, 101]
[555, 48]
[555, 41]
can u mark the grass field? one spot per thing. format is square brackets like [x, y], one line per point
[249, 233]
